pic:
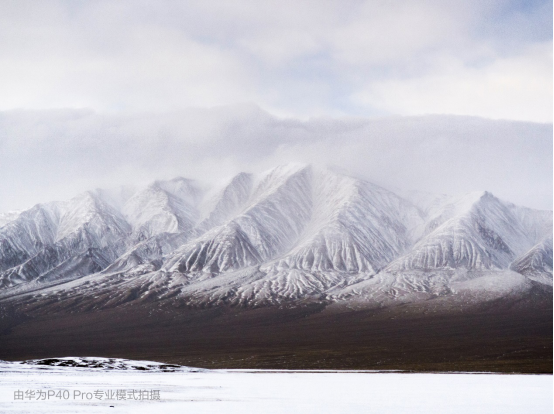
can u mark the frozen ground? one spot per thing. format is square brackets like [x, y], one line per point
[220, 391]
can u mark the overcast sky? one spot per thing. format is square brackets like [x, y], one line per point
[299, 58]
[94, 93]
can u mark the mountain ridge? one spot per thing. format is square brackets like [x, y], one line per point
[296, 232]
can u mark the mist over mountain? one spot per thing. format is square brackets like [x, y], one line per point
[55, 154]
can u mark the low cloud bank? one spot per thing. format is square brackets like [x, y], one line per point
[54, 154]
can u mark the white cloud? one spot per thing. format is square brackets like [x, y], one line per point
[394, 33]
[107, 66]
[517, 87]
[302, 58]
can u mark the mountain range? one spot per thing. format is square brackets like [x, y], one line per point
[296, 233]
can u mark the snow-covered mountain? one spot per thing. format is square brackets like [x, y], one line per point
[537, 262]
[296, 232]
[477, 231]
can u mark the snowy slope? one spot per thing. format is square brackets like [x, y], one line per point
[225, 202]
[308, 229]
[162, 207]
[354, 227]
[536, 264]
[294, 232]
[67, 240]
[270, 222]
[24, 236]
[50, 242]
[477, 231]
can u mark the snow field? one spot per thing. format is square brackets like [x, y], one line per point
[221, 391]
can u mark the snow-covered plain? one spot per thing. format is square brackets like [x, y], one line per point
[228, 391]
